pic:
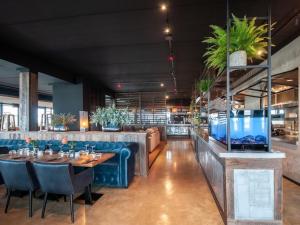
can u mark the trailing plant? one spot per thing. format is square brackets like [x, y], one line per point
[110, 116]
[63, 119]
[204, 85]
[244, 36]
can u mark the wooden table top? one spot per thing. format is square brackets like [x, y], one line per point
[82, 161]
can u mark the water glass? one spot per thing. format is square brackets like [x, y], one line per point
[61, 153]
[66, 154]
[49, 152]
[93, 155]
[20, 152]
[12, 152]
[27, 151]
[71, 153]
[40, 154]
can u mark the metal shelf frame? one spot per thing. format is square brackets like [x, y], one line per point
[266, 66]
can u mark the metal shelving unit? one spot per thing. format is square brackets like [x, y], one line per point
[266, 66]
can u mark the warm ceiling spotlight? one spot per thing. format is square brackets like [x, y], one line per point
[171, 58]
[162, 84]
[163, 7]
[167, 96]
[167, 30]
[289, 80]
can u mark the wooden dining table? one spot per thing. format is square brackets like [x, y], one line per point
[82, 161]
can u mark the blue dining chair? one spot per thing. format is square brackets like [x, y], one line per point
[18, 175]
[59, 178]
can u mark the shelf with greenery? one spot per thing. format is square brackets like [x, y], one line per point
[248, 42]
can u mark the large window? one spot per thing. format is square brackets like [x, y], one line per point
[13, 109]
[43, 111]
[10, 109]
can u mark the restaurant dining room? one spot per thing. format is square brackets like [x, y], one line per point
[153, 112]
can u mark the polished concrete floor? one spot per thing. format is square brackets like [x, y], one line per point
[174, 193]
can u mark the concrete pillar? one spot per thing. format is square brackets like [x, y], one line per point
[28, 107]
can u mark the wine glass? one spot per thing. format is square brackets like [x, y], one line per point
[87, 149]
[93, 148]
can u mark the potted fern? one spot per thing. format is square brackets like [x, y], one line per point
[247, 42]
[110, 118]
[62, 121]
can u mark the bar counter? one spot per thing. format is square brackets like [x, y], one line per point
[142, 159]
[247, 186]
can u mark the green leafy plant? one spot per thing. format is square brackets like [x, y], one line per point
[34, 143]
[204, 85]
[110, 116]
[245, 35]
[72, 145]
[63, 119]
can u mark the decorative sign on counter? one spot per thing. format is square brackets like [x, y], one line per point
[254, 194]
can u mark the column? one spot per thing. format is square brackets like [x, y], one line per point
[28, 97]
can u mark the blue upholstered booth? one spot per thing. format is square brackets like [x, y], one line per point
[116, 172]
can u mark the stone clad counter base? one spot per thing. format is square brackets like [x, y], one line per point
[141, 157]
[247, 187]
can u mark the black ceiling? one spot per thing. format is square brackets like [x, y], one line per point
[120, 42]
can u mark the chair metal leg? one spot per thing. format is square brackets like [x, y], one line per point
[30, 203]
[8, 199]
[44, 205]
[72, 208]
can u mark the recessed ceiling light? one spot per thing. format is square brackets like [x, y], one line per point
[163, 7]
[289, 80]
[167, 30]
[162, 84]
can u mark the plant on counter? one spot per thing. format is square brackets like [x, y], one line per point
[62, 121]
[31, 142]
[247, 41]
[110, 118]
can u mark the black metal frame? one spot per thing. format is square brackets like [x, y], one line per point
[267, 66]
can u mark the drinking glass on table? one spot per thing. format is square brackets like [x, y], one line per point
[87, 149]
[20, 152]
[71, 153]
[93, 153]
[61, 153]
[12, 152]
[49, 150]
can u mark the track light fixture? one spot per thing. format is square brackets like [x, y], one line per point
[163, 7]
[167, 30]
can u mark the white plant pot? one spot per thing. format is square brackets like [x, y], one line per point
[238, 58]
